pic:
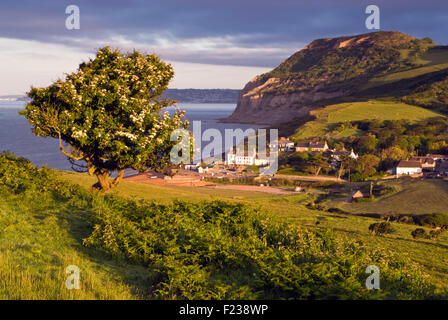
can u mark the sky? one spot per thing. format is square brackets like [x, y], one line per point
[210, 43]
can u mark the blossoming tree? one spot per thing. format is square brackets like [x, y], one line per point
[109, 114]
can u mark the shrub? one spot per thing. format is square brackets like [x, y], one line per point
[381, 228]
[218, 250]
[419, 233]
[405, 219]
[361, 200]
[434, 234]
[432, 220]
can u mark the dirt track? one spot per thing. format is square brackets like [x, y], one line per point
[308, 178]
[255, 188]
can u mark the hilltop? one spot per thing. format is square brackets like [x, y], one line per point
[382, 64]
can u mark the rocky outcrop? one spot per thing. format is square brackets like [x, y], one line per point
[273, 107]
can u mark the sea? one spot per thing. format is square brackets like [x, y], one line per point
[16, 135]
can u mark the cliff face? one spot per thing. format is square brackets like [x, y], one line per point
[325, 69]
[254, 106]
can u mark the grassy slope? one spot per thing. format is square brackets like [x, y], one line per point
[291, 208]
[38, 240]
[412, 197]
[354, 111]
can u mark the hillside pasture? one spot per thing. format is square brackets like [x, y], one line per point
[414, 196]
[327, 117]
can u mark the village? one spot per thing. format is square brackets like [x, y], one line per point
[242, 164]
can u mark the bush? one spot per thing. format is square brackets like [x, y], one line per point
[361, 200]
[434, 234]
[419, 233]
[218, 250]
[432, 220]
[381, 228]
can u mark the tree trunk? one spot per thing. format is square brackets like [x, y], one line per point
[118, 179]
[340, 171]
[104, 181]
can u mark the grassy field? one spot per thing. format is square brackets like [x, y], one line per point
[354, 111]
[40, 239]
[292, 209]
[413, 196]
[143, 191]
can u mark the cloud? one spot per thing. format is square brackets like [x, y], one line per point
[209, 76]
[26, 63]
[257, 34]
[209, 30]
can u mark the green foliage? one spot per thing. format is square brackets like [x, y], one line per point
[431, 94]
[434, 234]
[217, 250]
[360, 200]
[432, 220]
[381, 228]
[109, 113]
[419, 233]
[365, 166]
[19, 176]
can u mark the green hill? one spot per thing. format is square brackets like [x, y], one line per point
[386, 65]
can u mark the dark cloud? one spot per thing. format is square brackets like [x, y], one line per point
[283, 26]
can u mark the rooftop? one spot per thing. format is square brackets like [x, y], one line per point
[409, 164]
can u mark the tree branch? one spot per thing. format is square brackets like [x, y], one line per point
[61, 147]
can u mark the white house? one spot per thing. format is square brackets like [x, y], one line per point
[408, 167]
[246, 158]
[338, 153]
[261, 161]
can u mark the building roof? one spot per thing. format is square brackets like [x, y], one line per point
[409, 164]
[312, 144]
[357, 194]
[284, 140]
[340, 152]
[442, 166]
[426, 160]
[437, 156]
